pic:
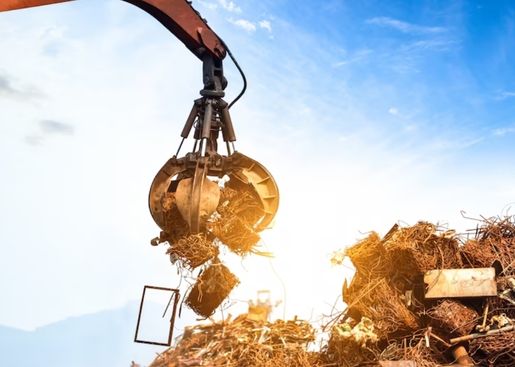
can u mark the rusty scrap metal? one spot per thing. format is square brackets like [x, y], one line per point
[445, 283]
[462, 357]
[482, 335]
[175, 299]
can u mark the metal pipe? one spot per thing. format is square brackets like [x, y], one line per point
[189, 122]
[228, 128]
[180, 146]
[482, 335]
[206, 123]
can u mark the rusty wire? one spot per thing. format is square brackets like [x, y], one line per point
[368, 256]
[453, 317]
[382, 303]
[494, 241]
[243, 343]
[413, 349]
[422, 247]
[192, 250]
[232, 231]
[496, 350]
[238, 213]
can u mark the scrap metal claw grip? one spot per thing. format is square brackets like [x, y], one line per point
[196, 196]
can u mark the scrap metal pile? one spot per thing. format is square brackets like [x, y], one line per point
[245, 343]
[233, 224]
[401, 306]
[416, 299]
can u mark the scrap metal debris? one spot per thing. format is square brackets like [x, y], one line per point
[235, 224]
[213, 285]
[427, 331]
[453, 317]
[362, 333]
[389, 319]
[192, 250]
[245, 343]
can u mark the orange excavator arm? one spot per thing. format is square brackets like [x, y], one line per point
[178, 16]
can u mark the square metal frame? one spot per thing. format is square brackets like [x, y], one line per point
[175, 298]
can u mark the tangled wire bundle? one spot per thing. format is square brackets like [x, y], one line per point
[381, 303]
[413, 350]
[476, 254]
[240, 203]
[235, 233]
[243, 343]
[453, 317]
[347, 353]
[192, 251]
[210, 289]
[368, 256]
[351, 344]
[419, 248]
[497, 305]
[494, 241]
[496, 350]
[238, 213]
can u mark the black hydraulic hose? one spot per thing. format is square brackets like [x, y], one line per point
[241, 73]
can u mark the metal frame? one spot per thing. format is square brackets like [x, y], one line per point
[175, 298]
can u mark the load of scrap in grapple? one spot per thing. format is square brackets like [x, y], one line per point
[234, 224]
[405, 319]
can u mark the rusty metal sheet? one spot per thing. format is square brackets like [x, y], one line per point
[397, 364]
[452, 283]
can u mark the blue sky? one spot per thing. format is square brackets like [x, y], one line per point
[367, 113]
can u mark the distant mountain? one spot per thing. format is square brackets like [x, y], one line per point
[102, 339]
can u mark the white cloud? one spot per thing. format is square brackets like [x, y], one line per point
[230, 6]
[208, 4]
[393, 111]
[56, 127]
[244, 24]
[502, 95]
[503, 131]
[450, 144]
[430, 45]
[407, 124]
[357, 56]
[265, 24]
[33, 139]
[404, 27]
[9, 88]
